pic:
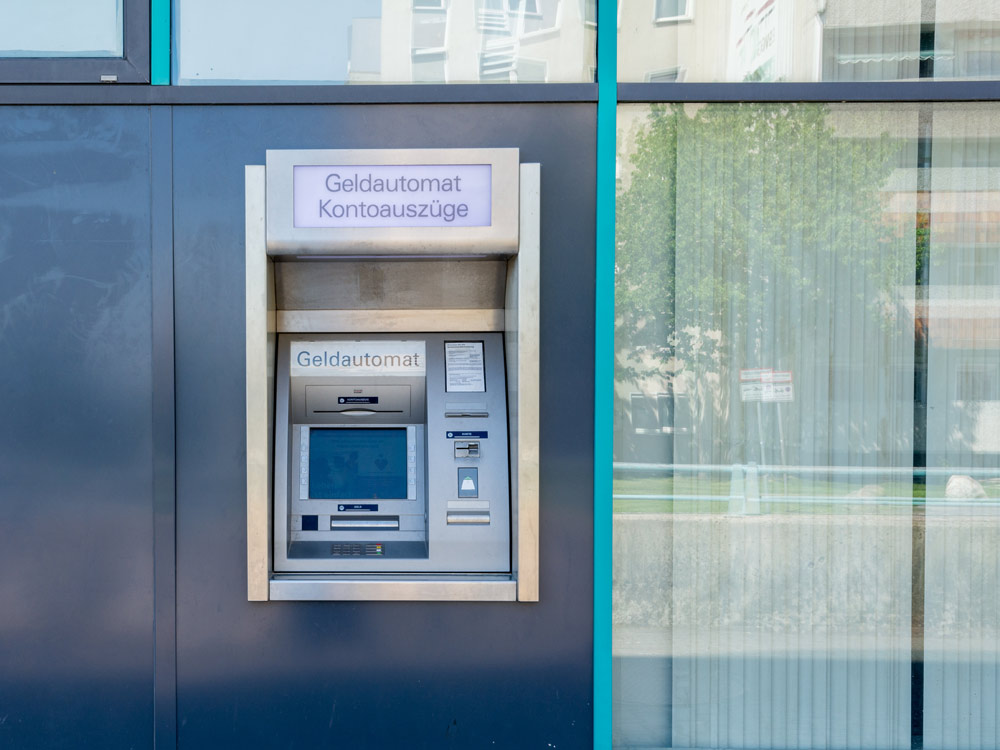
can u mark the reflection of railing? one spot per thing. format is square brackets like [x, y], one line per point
[491, 19]
[750, 486]
[498, 60]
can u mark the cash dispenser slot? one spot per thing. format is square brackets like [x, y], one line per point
[357, 400]
[356, 523]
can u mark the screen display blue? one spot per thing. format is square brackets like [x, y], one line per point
[357, 464]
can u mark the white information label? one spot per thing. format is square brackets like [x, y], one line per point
[752, 376]
[778, 392]
[358, 358]
[778, 376]
[406, 195]
[464, 367]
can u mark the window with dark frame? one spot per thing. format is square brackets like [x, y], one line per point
[132, 66]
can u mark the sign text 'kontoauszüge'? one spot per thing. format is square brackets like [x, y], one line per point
[416, 195]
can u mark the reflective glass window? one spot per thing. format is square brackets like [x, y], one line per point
[62, 28]
[808, 40]
[807, 426]
[383, 41]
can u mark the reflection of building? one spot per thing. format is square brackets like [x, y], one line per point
[808, 40]
[864, 41]
[960, 326]
[930, 355]
[515, 41]
[734, 40]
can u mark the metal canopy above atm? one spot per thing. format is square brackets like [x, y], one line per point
[393, 202]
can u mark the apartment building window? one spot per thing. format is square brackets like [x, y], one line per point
[88, 41]
[671, 10]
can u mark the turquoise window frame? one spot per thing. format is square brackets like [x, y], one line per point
[604, 342]
[159, 42]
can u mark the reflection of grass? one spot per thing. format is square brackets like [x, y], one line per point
[710, 493]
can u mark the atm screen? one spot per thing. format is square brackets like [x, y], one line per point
[357, 464]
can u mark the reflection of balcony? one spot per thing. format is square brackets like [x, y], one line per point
[491, 20]
[955, 316]
[498, 60]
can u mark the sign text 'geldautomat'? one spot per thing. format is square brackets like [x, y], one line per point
[380, 357]
[415, 195]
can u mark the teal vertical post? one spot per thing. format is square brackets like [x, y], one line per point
[604, 325]
[159, 42]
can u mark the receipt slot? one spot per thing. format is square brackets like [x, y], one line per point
[392, 375]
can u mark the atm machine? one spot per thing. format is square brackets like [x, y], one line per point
[392, 375]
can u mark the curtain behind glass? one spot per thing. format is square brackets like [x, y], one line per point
[960, 313]
[765, 260]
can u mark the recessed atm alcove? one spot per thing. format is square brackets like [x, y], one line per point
[392, 375]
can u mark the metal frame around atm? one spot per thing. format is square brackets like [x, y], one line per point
[519, 322]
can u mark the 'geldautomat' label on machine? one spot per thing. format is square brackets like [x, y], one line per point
[368, 358]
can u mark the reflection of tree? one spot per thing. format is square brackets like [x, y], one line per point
[728, 212]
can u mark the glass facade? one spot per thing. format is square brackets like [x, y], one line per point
[384, 41]
[807, 40]
[807, 459]
[62, 28]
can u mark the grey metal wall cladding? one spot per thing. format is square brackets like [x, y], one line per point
[76, 599]
[78, 439]
[393, 675]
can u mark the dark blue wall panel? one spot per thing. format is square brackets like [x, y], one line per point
[394, 675]
[76, 599]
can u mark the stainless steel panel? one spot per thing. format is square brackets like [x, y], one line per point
[523, 352]
[442, 589]
[259, 366]
[390, 284]
[499, 239]
[403, 321]
[344, 295]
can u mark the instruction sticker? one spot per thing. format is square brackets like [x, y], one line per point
[464, 369]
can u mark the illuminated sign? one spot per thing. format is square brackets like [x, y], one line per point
[424, 195]
[435, 202]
